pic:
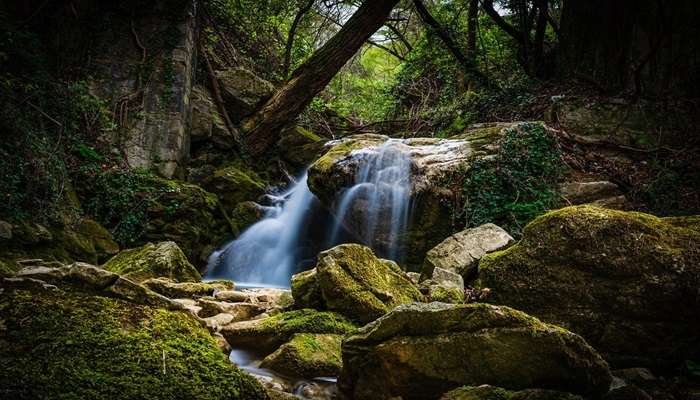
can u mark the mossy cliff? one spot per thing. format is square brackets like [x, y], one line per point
[69, 344]
[625, 281]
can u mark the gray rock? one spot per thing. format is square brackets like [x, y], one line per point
[5, 230]
[232, 296]
[461, 252]
[239, 311]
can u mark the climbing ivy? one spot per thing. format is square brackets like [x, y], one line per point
[516, 185]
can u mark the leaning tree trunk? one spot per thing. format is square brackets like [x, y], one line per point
[310, 78]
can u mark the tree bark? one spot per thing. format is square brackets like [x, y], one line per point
[292, 33]
[263, 127]
[446, 39]
[472, 20]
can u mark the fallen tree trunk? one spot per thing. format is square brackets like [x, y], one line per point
[263, 127]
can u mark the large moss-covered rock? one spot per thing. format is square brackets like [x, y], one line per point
[299, 146]
[487, 392]
[234, 183]
[152, 260]
[267, 334]
[307, 355]
[433, 164]
[357, 284]
[84, 240]
[422, 350]
[625, 281]
[69, 344]
[208, 125]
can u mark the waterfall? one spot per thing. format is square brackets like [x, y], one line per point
[295, 228]
[380, 197]
[268, 253]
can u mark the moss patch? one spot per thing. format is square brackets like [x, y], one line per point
[486, 392]
[163, 259]
[614, 277]
[73, 345]
[355, 283]
[307, 355]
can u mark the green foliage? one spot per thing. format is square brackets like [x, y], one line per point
[518, 184]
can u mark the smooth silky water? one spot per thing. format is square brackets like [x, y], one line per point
[295, 228]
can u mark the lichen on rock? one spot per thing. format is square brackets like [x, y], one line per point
[70, 343]
[163, 259]
[307, 355]
[357, 284]
[421, 350]
[625, 281]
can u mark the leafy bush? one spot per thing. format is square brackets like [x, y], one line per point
[516, 185]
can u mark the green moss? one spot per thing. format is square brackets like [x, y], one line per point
[306, 291]
[355, 283]
[307, 321]
[163, 259]
[446, 295]
[611, 276]
[73, 345]
[307, 355]
[189, 290]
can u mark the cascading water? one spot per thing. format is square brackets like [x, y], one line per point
[287, 239]
[267, 253]
[380, 198]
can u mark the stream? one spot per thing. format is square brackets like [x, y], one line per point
[296, 227]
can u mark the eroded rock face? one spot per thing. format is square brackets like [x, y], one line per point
[164, 259]
[357, 284]
[432, 161]
[461, 252]
[627, 282]
[420, 351]
[307, 355]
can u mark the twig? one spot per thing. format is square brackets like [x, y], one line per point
[44, 114]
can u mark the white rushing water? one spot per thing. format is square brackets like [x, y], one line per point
[266, 254]
[285, 241]
[380, 197]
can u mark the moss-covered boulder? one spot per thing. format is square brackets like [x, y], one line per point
[186, 290]
[244, 215]
[625, 281]
[267, 334]
[164, 259]
[84, 240]
[487, 392]
[357, 284]
[299, 146]
[67, 343]
[307, 355]
[422, 350]
[434, 162]
[233, 184]
[306, 290]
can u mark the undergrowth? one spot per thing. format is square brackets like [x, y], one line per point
[518, 183]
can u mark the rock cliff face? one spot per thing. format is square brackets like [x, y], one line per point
[153, 106]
